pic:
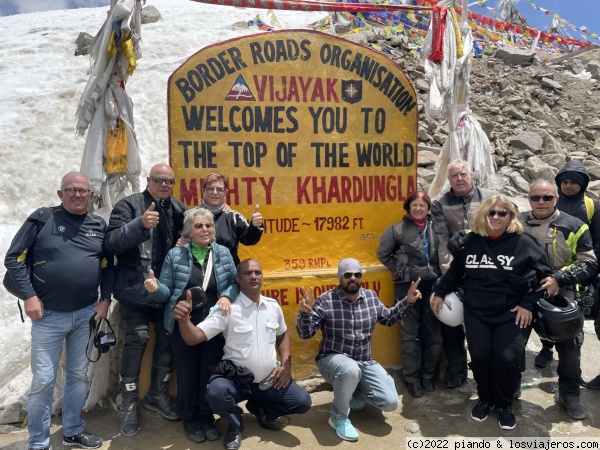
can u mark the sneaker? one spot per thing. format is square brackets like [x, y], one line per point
[356, 402]
[427, 385]
[83, 440]
[455, 380]
[573, 407]
[481, 411]
[594, 383]
[49, 447]
[414, 389]
[506, 418]
[543, 358]
[343, 428]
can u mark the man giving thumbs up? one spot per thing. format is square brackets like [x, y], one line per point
[142, 229]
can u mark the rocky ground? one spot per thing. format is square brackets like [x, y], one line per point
[440, 414]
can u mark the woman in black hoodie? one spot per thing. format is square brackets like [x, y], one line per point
[492, 264]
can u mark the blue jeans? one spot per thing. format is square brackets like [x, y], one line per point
[47, 336]
[372, 383]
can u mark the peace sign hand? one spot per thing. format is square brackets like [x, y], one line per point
[308, 300]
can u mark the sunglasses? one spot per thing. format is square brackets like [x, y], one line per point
[159, 180]
[348, 275]
[500, 213]
[208, 226]
[537, 198]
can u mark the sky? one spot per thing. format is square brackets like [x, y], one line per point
[577, 12]
[41, 82]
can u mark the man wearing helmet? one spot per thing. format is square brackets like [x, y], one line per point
[568, 245]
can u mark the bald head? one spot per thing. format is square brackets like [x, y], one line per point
[75, 193]
[161, 181]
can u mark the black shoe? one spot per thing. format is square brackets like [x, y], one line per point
[83, 440]
[193, 431]
[506, 418]
[455, 380]
[414, 389]
[481, 411]
[162, 404]
[233, 438]
[208, 426]
[261, 416]
[427, 385]
[573, 407]
[543, 358]
[128, 418]
[594, 383]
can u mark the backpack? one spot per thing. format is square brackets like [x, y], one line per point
[8, 282]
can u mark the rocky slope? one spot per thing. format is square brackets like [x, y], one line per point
[537, 115]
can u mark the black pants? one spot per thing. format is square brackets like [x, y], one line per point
[453, 341]
[497, 355]
[421, 335]
[192, 363]
[569, 364]
[137, 320]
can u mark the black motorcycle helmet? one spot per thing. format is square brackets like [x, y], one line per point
[558, 318]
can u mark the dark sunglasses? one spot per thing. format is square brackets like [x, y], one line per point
[208, 226]
[493, 212]
[348, 275]
[159, 180]
[546, 198]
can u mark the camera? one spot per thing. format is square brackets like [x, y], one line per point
[107, 340]
[102, 341]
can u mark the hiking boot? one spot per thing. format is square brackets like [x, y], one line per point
[83, 440]
[481, 411]
[193, 431]
[356, 402]
[414, 389]
[594, 383]
[506, 418]
[455, 380]
[573, 407]
[128, 408]
[343, 428]
[543, 358]
[157, 399]
[427, 385]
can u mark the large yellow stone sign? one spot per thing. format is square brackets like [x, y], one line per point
[318, 131]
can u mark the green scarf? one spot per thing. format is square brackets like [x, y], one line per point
[200, 253]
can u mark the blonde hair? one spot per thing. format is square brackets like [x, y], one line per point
[479, 221]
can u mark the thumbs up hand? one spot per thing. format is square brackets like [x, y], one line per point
[256, 218]
[150, 217]
[151, 283]
[183, 308]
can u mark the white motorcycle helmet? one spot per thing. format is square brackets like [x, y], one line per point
[452, 313]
